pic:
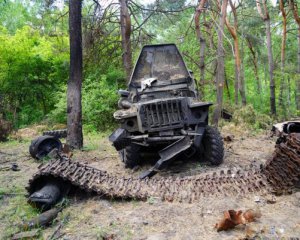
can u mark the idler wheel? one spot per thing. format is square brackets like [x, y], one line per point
[43, 145]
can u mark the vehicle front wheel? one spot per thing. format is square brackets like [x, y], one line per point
[213, 149]
[131, 155]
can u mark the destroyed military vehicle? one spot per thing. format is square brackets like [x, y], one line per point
[160, 112]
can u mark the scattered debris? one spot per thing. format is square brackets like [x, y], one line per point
[226, 115]
[12, 166]
[257, 199]
[271, 200]
[233, 218]
[56, 234]
[228, 138]
[108, 237]
[43, 219]
[26, 235]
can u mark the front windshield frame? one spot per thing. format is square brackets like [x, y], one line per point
[163, 62]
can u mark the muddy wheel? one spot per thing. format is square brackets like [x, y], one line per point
[131, 155]
[43, 145]
[213, 149]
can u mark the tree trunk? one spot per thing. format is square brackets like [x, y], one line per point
[254, 61]
[298, 74]
[294, 9]
[125, 23]
[271, 67]
[238, 83]
[266, 18]
[282, 65]
[220, 67]
[242, 76]
[202, 43]
[75, 138]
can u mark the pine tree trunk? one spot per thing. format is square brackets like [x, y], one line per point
[298, 74]
[74, 115]
[271, 67]
[202, 43]
[266, 18]
[125, 23]
[294, 9]
[254, 61]
[282, 65]
[239, 85]
[242, 76]
[220, 67]
[236, 84]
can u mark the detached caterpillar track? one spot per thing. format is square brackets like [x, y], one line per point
[276, 176]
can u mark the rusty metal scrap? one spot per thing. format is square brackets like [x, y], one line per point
[233, 218]
[276, 176]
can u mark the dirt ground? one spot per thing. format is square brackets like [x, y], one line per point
[92, 217]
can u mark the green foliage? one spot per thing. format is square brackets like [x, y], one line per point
[247, 116]
[99, 100]
[31, 71]
[34, 58]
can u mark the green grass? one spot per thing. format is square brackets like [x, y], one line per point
[14, 210]
[14, 143]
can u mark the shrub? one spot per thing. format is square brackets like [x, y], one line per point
[99, 101]
[248, 117]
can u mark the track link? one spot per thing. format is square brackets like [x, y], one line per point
[277, 176]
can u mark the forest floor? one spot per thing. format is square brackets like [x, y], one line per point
[92, 217]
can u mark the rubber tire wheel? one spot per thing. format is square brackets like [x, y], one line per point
[131, 155]
[213, 151]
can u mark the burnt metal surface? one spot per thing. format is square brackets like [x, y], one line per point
[161, 103]
[277, 176]
[287, 127]
[163, 64]
[43, 145]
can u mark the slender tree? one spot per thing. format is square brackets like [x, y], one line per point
[75, 137]
[239, 85]
[125, 23]
[220, 76]
[282, 65]
[294, 9]
[201, 40]
[266, 18]
[255, 65]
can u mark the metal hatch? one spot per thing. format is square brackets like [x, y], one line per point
[163, 63]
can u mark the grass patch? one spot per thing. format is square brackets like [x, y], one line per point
[114, 229]
[14, 210]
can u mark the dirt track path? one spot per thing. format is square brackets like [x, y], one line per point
[94, 217]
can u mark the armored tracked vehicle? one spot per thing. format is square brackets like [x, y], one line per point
[161, 112]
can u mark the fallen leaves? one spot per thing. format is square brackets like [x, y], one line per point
[233, 218]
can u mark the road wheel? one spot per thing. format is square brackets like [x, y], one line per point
[213, 149]
[41, 146]
[131, 155]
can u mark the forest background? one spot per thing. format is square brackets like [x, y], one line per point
[34, 55]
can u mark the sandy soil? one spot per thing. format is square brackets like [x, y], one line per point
[91, 217]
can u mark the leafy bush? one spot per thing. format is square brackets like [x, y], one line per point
[248, 117]
[244, 115]
[99, 100]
